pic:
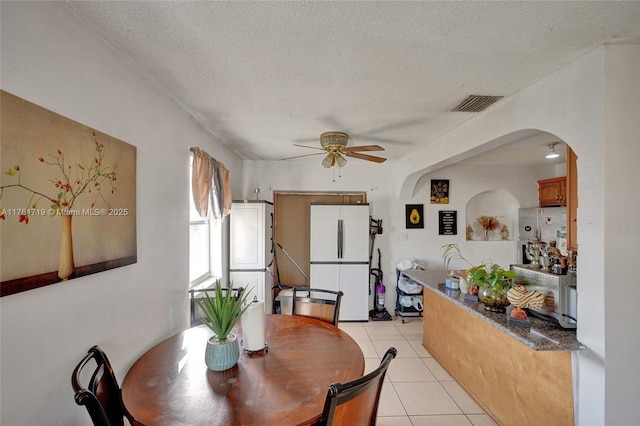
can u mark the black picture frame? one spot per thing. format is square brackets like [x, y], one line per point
[448, 222]
[414, 216]
[440, 191]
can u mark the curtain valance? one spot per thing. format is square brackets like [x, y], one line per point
[210, 182]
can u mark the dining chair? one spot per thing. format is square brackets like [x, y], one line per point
[356, 402]
[101, 397]
[317, 303]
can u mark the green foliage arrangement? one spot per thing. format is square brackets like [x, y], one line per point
[497, 278]
[223, 311]
[450, 253]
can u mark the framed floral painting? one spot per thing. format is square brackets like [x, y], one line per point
[67, 198]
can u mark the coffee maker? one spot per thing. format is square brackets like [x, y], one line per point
[533, 252]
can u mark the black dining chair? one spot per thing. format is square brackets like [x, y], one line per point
[101, 397]
[317, 303]
[356, 402]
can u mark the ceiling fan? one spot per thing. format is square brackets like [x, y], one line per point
[334, 144]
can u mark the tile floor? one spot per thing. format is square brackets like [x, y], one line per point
[417, 390]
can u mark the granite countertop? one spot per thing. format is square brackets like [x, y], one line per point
[541, 336]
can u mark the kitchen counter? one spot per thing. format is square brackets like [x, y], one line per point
[541, 336]
[518, 375]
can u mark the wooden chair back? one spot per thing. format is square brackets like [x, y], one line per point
[317, 303]
[356, 402]
[101, 397]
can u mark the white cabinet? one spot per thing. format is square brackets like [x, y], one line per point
[340, 255]
[254, 280]
[251, 248]
[339, 232]
[251, 235]
[353, 280]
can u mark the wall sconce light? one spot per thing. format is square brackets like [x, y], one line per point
[552, 150]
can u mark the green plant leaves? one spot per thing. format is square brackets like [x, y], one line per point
[450, 253]
[497, 278]
[223, 310]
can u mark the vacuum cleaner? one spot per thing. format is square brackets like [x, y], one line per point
[379, 312]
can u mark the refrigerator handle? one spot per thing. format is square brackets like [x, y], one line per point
[340, 238]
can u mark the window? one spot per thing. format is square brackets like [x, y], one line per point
[205, 243]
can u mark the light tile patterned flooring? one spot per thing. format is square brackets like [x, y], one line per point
[417, 390]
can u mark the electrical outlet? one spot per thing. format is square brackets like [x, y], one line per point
[404, 236]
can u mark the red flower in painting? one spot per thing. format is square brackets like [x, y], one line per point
[72, 181]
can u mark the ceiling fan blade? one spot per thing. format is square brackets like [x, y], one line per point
[365, 157]
[363, 148]
[300, 156]
[312, 147]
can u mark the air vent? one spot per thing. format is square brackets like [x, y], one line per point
[475, 103]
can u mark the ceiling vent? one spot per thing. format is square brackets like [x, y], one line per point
[475, 103]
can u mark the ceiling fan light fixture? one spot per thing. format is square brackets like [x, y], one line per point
[328, 161]
[552, 151]
[335, 140]
[340, 160]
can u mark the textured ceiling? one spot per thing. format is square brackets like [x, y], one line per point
[262, 76]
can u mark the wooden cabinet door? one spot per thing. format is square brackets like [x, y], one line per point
[551, 192]
[563, 191]
[572, 199]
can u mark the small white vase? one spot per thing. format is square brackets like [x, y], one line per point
[464, 285]
[220, 356]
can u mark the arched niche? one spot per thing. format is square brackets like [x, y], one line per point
[497, 204]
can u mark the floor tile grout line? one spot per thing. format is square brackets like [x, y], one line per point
[437, 381]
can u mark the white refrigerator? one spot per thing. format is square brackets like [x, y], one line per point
[251, 249]
[339, 255]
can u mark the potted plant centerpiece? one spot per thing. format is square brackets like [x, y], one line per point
[221, 313]
[493, 284]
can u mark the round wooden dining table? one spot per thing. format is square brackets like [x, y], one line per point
[286, 385]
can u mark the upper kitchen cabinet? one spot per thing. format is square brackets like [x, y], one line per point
[552, 192]
[563, 191]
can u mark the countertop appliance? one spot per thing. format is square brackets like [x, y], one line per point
[339, 255]
[251, 248]
[545, 223]
[560, 294]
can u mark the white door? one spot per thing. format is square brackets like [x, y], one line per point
[247, 248]
[355, 230]
[354, 283]
[352, 280]
[326, 277]
[256, 284]
[324, 233]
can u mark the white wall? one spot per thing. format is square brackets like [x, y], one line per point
[52, 61]
[622, 229]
